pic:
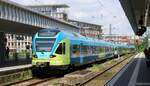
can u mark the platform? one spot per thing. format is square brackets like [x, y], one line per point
[135, 73]
[14, 69]
[15, 62]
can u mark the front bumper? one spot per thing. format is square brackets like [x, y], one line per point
[51, 67]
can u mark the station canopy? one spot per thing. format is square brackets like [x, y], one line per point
[134, 9]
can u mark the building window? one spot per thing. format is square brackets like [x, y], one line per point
[8, 44]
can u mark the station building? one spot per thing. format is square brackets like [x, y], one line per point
[58, 11]
[88, 29]
[19, 43]
[122, 39]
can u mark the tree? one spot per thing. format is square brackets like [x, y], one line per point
[143, 45]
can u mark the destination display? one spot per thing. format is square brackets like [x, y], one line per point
[47, 33]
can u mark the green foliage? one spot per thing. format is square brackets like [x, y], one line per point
[141, 47]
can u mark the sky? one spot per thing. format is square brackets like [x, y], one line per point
[101, 12]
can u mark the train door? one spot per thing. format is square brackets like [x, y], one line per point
[75, 54]
[81, 53]
[62, 54]
[66, 44]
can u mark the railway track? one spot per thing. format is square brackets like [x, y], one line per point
[30, 82]
[82, 80]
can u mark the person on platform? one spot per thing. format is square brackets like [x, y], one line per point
[147, 56]
[7, 52]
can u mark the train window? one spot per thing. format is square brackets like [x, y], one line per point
[106, 49]
[90, 50]
[59, 49]
[76, 50]
[63, 47]
[94, 50]
[84, 50]
[76, 47]
[102, 49]
[44, 45]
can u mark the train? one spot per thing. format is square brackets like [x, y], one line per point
[53, 48]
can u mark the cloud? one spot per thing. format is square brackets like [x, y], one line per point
[80, 15]
[86, 1]
[104, 12]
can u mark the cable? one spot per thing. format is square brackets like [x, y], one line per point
[100, 3]
[105, 8]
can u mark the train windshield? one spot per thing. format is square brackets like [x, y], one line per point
[44, 44]
[47, 33]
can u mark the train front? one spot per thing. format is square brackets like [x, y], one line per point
[50, 49]
[42, 47]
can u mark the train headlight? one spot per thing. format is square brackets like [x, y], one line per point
[52, 56]
[35, 56]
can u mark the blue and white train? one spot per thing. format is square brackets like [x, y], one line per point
[58, 48]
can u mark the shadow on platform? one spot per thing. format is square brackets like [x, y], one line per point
[15, 62]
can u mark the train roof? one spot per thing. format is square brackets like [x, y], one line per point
[79, 39]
